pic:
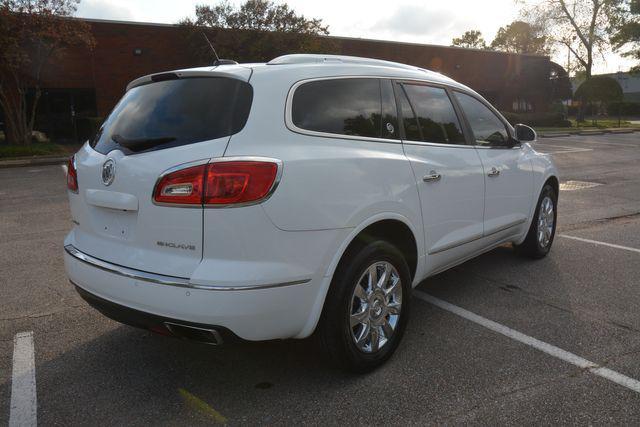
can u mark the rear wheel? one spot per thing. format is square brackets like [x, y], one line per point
[367, 307]
[543, 227]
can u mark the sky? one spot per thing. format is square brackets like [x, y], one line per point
[428, 22]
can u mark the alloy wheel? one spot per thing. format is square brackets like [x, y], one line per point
[546, 220]
[376, 304]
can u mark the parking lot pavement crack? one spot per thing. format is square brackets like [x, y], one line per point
[598, 222]
[40, 315]
[608, 360]
[501, 396]
[517, 290]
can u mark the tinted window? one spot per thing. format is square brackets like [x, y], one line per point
[340, 106]
[175, 112]
[409, 121]
[487, 128]
[436, 116]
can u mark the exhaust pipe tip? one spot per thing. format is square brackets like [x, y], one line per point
[193, 333]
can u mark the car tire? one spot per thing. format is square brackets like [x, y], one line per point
[541, 232]
[380, 312]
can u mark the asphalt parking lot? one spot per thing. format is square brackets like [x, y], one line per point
[499, 350]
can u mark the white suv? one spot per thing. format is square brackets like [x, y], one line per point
[310, 193]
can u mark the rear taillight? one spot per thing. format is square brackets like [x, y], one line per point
[72, 174]
[219, 183]
[234, 182]
[182, 187]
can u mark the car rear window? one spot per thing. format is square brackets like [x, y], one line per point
[354, 106]
[175, 112]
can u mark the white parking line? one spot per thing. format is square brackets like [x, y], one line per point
[595, 242]
[551, 350]
[621, 144]
[23, 410]
[565, 148]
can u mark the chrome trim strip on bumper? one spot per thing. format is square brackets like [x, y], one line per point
[166, 280]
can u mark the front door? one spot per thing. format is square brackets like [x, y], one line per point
[448, 172]
[507, 171]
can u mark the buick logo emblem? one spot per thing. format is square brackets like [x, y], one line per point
[108, 172]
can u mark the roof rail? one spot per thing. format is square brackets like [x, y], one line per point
[333, 59]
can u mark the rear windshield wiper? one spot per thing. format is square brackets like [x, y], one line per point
[140, 144]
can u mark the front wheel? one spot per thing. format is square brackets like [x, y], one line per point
[367, 307]
[543, 227]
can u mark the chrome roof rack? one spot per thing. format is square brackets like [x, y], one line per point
[338, 59]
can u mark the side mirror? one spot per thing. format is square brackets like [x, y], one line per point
[525, 134]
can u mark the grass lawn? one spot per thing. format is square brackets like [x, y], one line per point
[36, 149]
[588, 125]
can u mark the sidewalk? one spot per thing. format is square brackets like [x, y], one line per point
[33, 161]
[556, 134]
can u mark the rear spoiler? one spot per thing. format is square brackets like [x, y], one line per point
[237, 72]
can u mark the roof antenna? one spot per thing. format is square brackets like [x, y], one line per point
[218, 61]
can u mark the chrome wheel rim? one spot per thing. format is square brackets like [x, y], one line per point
[375, 307]
[545, 221]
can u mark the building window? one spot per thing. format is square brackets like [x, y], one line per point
[521, 105]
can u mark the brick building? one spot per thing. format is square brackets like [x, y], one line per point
[88, 84]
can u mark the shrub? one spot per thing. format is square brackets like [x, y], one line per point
[548, 119]
[623, 108]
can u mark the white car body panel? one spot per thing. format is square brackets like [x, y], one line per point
[508, 195]
[263, 271]
[448, 221]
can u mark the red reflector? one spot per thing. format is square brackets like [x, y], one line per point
[72, 175]
[238, 181]
[181, 187]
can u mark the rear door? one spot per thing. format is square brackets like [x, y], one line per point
[507, 171]
[447, 170]
[154, 128]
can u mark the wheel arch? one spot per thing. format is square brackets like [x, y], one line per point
[553, 181]
[383, 225]
[395, 229]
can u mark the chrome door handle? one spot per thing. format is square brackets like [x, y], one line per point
[494, 172]
[433, 176]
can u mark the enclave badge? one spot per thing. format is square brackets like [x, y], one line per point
[108, 172]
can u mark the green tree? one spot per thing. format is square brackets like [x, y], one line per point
[600, 90]
[32, 34]
[626, 35]
[471, 39]
[582, 26]
[257, 30]
[521, 37]
[560, 84]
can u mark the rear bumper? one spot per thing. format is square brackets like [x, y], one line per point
[140, 319]
[270, 311]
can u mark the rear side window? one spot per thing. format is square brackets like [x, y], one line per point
[346, 107]
[436, 117]
[176, 112]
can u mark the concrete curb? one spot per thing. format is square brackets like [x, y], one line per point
[33, 161]
[554, 135]
[623, 131]
[588, 132]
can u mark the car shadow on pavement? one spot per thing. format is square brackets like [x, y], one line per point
[114, 374]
